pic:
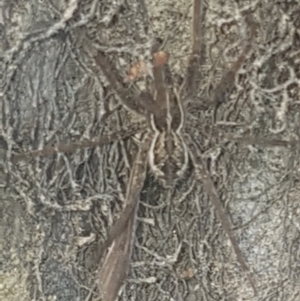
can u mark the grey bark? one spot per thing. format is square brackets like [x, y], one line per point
[56, 210]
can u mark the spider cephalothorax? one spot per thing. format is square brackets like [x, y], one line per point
[168, 156]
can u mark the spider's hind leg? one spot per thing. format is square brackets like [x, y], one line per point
[203, 176]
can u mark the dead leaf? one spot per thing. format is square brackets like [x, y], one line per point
[140, 68]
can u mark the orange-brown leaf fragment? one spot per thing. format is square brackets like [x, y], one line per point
[140, 68]
[137, 70]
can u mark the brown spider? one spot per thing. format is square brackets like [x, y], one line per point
[166, 153]
[163, 149]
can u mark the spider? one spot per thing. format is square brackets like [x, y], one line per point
[160, 151]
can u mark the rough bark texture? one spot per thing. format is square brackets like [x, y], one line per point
[57, 209]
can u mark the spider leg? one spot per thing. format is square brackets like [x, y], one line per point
[227, 80]
[130, 102]
[72, 146]
[261, 141]
[115, 266]
[249, 140]
[120, 237]
[203, 175]
[193, 70]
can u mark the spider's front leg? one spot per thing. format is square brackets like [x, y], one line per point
[115, 266]
[193, 72]
[120, 237]
[128, 99]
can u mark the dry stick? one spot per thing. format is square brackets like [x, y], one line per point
[203, 176]
[70, 147]
[115, 266]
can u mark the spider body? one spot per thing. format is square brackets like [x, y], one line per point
[168, 157]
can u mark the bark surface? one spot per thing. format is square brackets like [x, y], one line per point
[57, 209]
